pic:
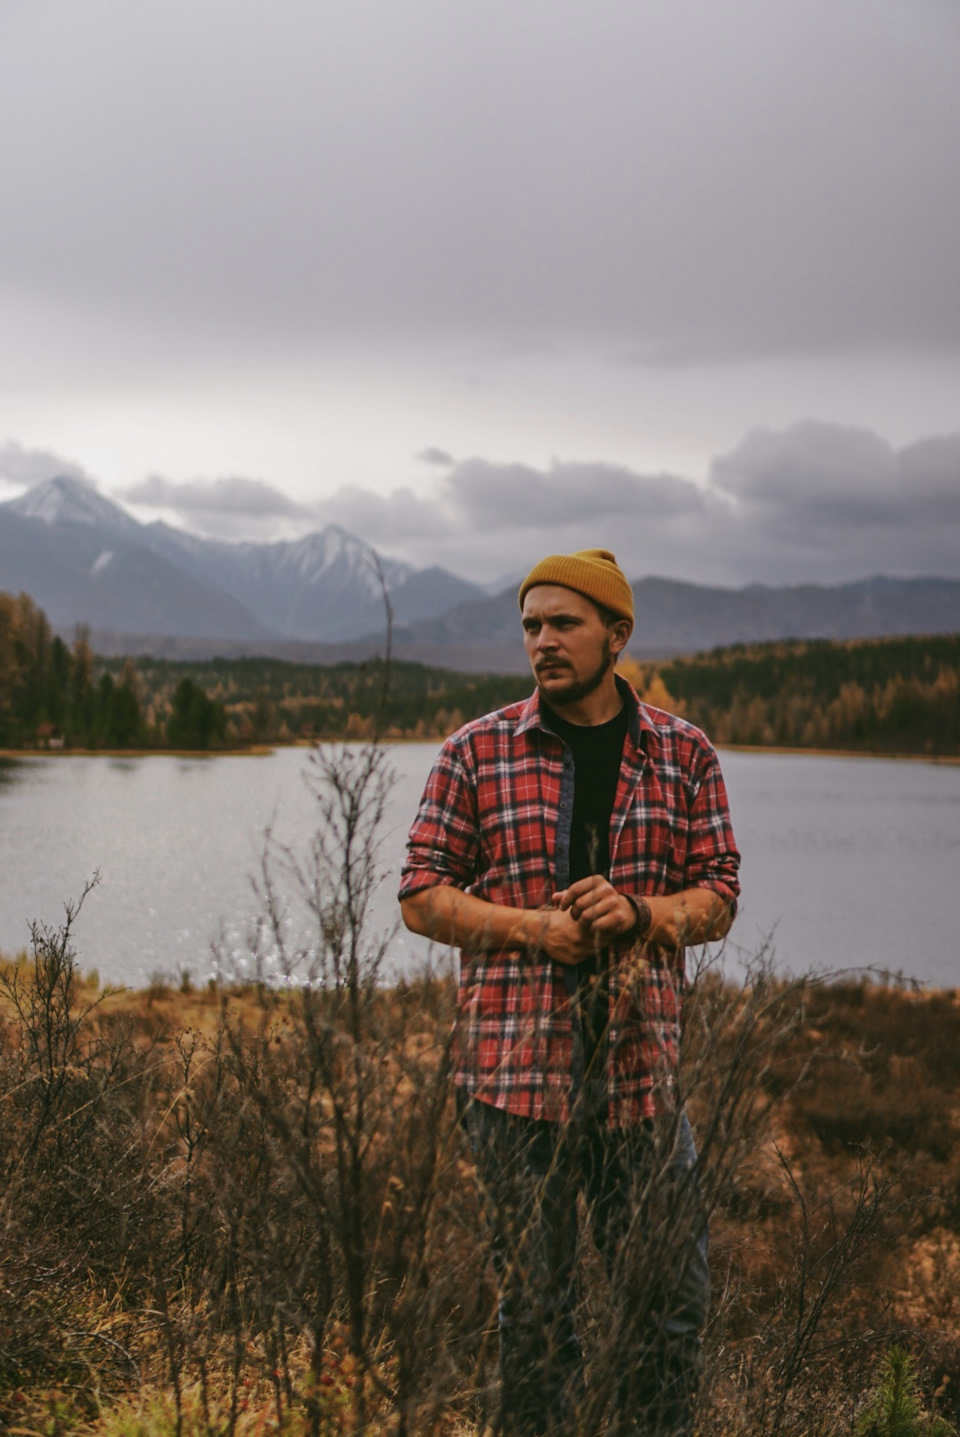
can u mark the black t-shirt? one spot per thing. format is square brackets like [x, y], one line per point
[597, 757]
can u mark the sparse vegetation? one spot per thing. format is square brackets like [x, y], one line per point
[248, 1207]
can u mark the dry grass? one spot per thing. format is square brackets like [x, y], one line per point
[226, 1212]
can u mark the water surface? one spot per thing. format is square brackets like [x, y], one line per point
[845, 861]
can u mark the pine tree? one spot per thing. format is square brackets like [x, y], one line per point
[895, 1410]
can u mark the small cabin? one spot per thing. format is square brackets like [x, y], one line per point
[48, 735]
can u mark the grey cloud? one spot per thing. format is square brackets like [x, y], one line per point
[485, 493]
[811, 503]
[806, 461]
[480, 497]
[438, 458]
[29, 467]
[389, 519]
[824, 483]
[231, 496]
[811, 476]
[930, 470]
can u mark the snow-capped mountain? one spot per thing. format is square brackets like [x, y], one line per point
[84, 559]
[324, 586]
[65, 500]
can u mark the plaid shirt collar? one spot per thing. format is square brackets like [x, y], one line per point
[641, 732]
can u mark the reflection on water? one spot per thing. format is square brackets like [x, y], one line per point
[846, 861]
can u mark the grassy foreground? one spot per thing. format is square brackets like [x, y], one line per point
[248, 1210]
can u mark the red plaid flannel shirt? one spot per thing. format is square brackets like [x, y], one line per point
[495, 820]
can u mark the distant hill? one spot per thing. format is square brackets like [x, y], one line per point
[677, 618]
[149, 588]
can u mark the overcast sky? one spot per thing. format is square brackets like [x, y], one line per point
[480, 278]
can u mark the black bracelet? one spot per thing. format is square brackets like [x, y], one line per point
[641, 908]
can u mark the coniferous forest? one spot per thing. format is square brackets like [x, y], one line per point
[898, 696]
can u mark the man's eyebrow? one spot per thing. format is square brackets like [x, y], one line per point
[562, 618]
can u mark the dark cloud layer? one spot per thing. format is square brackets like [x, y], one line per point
[233, 496]
[483, 493]
[231, 507]
[813, 503]
[818, 482]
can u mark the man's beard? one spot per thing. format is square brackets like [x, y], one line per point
[578, 689]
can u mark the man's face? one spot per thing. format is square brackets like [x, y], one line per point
[570, 648]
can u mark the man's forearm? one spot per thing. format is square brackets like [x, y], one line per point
[448, 915]
[678, 920]
[462, 920]
[695, 915]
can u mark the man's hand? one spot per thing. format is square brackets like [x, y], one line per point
[596, 905]
[676, 920]
[566, 939]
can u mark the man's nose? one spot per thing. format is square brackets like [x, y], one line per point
[546, 639]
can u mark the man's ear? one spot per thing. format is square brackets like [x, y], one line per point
[620, 636]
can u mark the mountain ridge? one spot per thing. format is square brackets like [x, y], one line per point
[152, 588]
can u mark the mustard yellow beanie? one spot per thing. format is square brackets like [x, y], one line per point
[594, 572]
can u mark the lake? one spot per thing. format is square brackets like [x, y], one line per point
[846, 861]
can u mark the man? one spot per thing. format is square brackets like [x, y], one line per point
[571, 846]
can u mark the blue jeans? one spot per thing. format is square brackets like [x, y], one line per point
[645, 1213]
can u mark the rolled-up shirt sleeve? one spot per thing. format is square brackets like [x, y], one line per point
[712, 859]
[444, 842]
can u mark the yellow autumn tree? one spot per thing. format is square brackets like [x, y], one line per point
[648, 683]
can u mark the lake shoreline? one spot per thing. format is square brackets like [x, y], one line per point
[258, 750]
[948, 759]
[265, 750]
